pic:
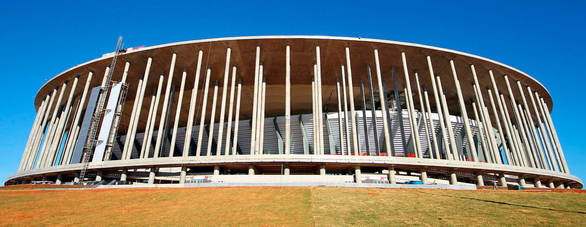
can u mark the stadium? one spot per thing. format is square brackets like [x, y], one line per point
[294, 110]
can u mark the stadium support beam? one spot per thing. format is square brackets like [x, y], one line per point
[236, 121]
[346, 124]
[73, 132]
[464, 113]
[453, 179]
[254, 103]
[182, 175]
[192, 102]
[223, 102]
[259, 119]
[164, 107]
[520, 157]
[357, 175]
[507, 123]
[486, 117]
[555, 135]
[129, 143]
[340, 129]
[177, 114]
[230, 111]
[51, 128]
[500, 128]
[383, 101]
[545, 142]
[117, 115]
[432, 127]
[454, 150]
[152, 176]
[262, 115]
[364, 121]
[212, 120]
[203, 111]
[479, 180]
[531, 128]
[423, 115]
[153, 119]
[502, 180]
[57, 139]
[288, 100]
[438, 107]
[520, 125]
[319, 101]
[352, 110]
[147, 126]
[485, 128]
[391, 177]
[40, 131]
[27, 149]
[373, 111]
[487, 156]
[411, 108]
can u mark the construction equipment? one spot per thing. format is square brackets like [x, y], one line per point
[97, 117]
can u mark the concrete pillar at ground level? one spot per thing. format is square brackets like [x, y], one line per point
[182, 175]
[216, 170]
[58, 180]
[286, 170]
[99, 176]
[76, 179]
[479, 180]
[152, 176]
[322, 170]
[551, 184]
[502, 180]
[561, 186]
[357, 175]
[453, 179]
[538, 183]
[522, 182]
[123, 175]
[423, 177]
[392, 179]
[251, 170]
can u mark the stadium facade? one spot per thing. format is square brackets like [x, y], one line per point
[295, 109]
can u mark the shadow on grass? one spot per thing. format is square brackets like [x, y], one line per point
[506, 203]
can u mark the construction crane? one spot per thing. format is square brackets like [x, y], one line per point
[90, 144]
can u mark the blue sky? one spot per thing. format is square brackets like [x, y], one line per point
[544, 39]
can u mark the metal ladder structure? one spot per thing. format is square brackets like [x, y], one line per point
[90, 144]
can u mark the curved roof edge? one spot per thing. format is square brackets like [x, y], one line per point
[306, 37]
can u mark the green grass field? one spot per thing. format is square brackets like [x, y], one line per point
[289, 207]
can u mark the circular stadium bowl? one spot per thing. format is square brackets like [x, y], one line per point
[334, 110]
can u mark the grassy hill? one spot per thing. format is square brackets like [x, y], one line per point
[289, 206]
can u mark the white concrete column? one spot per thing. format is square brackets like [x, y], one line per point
[545, 142]
[152, 176]
[132, 131]
[182, 175]
[486, 118]
[254, 103]
[519, 154]
[250, 170]
[464, 113]
[438, 106]
[126, 151]
[531, 127]
[423, 177]
[236, 121]
[153, 119]
[216, 170]
[203, 112]
[177, 114]
[258, 112]
[485, 151]
[117, 114]
[32, 148]
[192, 102]
[346, 124]
[500, 129]
[322, 170]
[42, 130]
[522, 182]
[423, 115]
[27, 148]
[223, 102]
[98, 176]
[555, 135]
[262, 116]
[392, 178]
[124, 175]
[479, 180]
[288, 100]
[431, 126]
[528, 128]
[319, 101]
[411, 109]
[286, 170]
[454, 154]
[538, 183]
[58, 180]
[551, 184]
[340, 127]
[212, 120]
[453, 179]
[502, 180]
[357, 175]
[521, 125]
[50, 130]
[382, 97]
[142, 153]
[352, 110]
[163, 116]
[58, 138]
[512, 157]
[230, 112]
